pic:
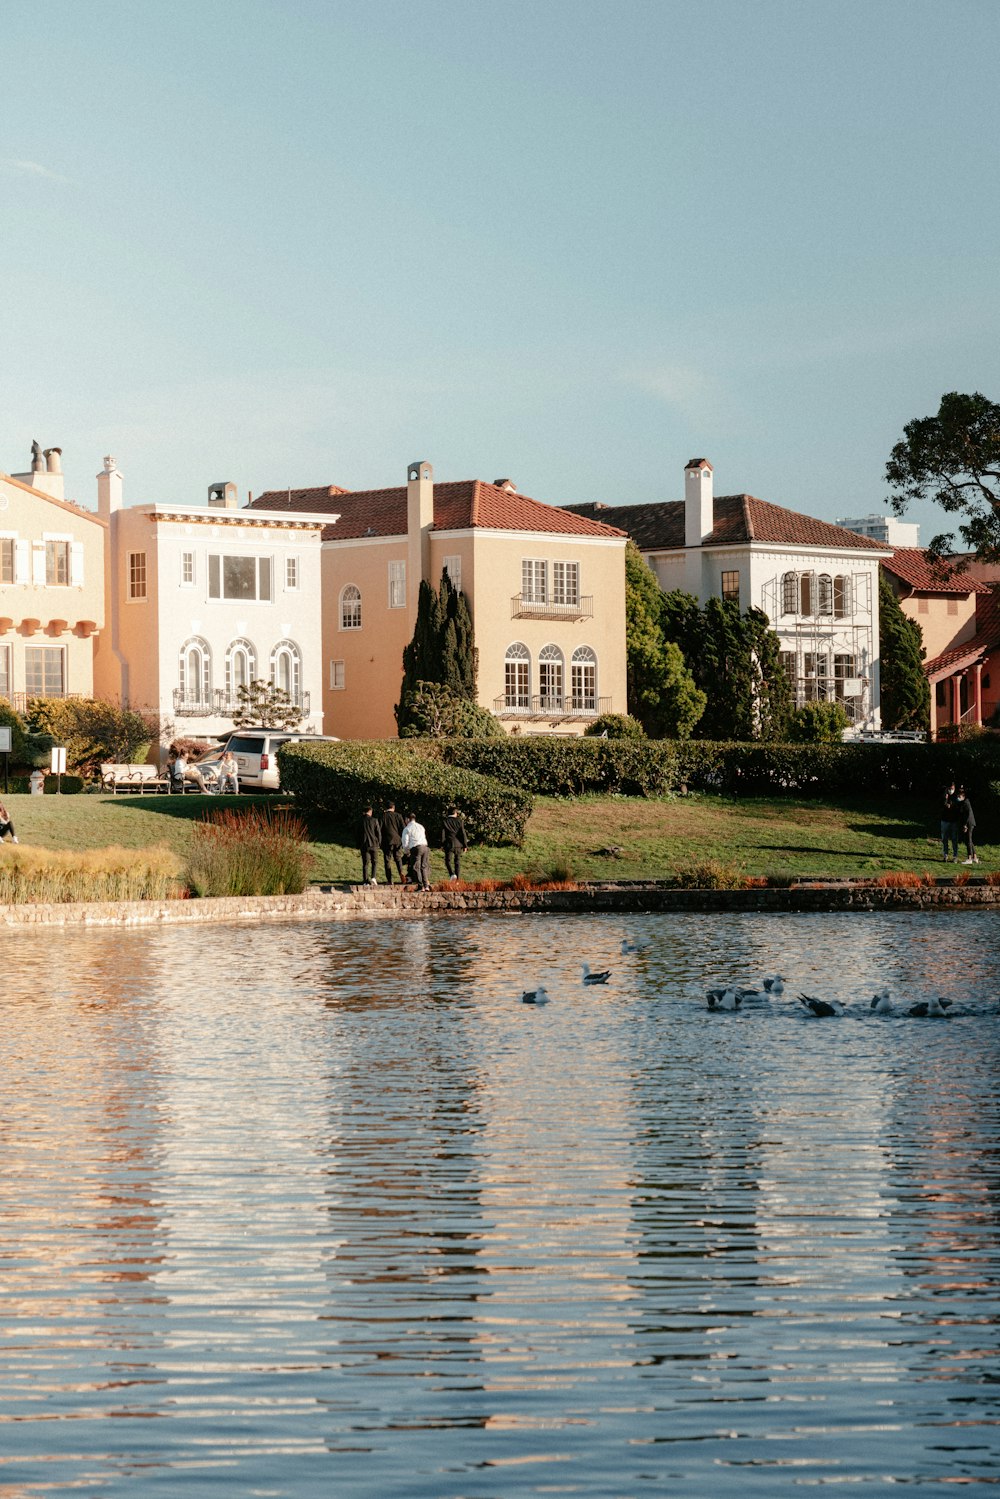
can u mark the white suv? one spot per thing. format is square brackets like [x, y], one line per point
[256, 752]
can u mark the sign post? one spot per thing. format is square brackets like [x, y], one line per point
[5, 751]
[59, 767]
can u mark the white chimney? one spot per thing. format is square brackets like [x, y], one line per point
[699, 517]
[419, 521]
[223, 496]
[109, 488]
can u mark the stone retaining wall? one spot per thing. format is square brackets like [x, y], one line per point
[350, 902]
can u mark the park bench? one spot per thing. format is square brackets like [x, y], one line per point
[133, 779]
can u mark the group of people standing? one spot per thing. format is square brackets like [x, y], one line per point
[957, 817]
[398, 837]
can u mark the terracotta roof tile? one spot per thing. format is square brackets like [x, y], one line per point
[738, 518]
[985, 640]
[457, 507]
[914, 567]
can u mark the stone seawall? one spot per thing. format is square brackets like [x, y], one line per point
[346, 902]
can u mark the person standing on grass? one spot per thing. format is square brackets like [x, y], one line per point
[455, 843]
[949, 825]
[6, 826]
[966, 820]
[415, 847]
[392, 842]
[369, 842]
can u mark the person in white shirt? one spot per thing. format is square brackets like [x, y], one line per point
[417, 852]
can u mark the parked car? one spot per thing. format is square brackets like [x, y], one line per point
[256, 752]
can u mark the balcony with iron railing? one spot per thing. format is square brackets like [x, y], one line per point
[222, 704]
[547, 705]
[525, 608]
[19, 700]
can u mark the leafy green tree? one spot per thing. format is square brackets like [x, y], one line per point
[735, 661]
[615, 726]
[92, 730]
[263, 705]
[953, 458]
[436, 711]
[904, 689]
[662, 693]
[817, 723]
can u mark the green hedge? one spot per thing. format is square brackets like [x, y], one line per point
[71, 785]
[570, 767]
[342, 779]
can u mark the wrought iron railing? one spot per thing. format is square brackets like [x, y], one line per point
[548, 705]
[522, 608]
[19, 700]
[222, 704]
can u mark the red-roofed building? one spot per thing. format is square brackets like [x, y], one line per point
[816, 582]
[546, 588]
[956, 603]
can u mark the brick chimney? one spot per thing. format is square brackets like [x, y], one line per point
[699, 515]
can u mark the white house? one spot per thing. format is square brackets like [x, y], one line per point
[203, 599]
[816, 582]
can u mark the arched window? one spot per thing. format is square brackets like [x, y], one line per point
[350, 607]
[842, 606]
[550, 678]
[286, 669]
[583, 680]
[807, 593]
[825, 594]
[241, 667]
[789, 593]
[194, 673]
[517, 676]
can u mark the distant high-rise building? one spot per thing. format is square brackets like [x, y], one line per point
[898, 533]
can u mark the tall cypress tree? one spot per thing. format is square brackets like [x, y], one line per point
[905, 691]
[442, 649]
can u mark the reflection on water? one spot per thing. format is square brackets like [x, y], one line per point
[324, 1208]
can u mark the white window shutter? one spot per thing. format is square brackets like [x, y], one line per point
[76, 564]
[38, 562]
[22, 562]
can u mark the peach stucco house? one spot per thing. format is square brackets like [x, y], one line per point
[202, 599]
[51, 586]
[546, 590]
[958, 611]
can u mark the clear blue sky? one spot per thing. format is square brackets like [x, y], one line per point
[573, 243]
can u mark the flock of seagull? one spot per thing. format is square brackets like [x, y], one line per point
[734, 997]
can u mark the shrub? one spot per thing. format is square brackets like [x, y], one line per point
[903, 879]
[11, 719]
[342, 779]
[817, 723]
[91, 731]
[710, 874]
[433, 710]
[36, 875]
[257, 852]
[614, 726]
[555, 766]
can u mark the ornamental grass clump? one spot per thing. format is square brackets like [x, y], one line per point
[40, 876]
[256, 852]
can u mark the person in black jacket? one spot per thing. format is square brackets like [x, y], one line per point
[455, 843]
[392, 838]
[949, 827]
[966, 819]
[369, 842]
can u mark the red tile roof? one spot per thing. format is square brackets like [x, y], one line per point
[915, 568]
[738, 518]
[985, 640]
[458, 506]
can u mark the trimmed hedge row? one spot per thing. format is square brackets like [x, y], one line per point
[571, 767]
[342, 779]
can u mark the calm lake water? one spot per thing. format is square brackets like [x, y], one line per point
[324, 1209]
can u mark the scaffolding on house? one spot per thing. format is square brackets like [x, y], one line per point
[828, 657]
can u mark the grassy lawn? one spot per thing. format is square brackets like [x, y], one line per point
[766, 836]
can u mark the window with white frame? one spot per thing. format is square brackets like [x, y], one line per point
[453, 567]
[187, 569]
[824, 592]
[137, 575]
[291, 573]
[336, 676]
[517, 676]
[789, 593]
[6, 559]
[397, 585]
[45, 671]
[787, 660]
[583, 680]
[5, 683]
[350, 607]
[57, 563]
[245, 579]
[241, 667]
[566, 583]
[550, 678]
[194, 672]
[286, 669]
[533, 581]
[842, 603]
[844, 669]
[816, 668]
[731, 587]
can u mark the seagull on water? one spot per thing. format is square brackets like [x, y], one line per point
[775, 984]
[724, 999]
[628, 947]
[537, 996]
[931, 1008]
[821, 1006]
[595, 978]
[882, 1003]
